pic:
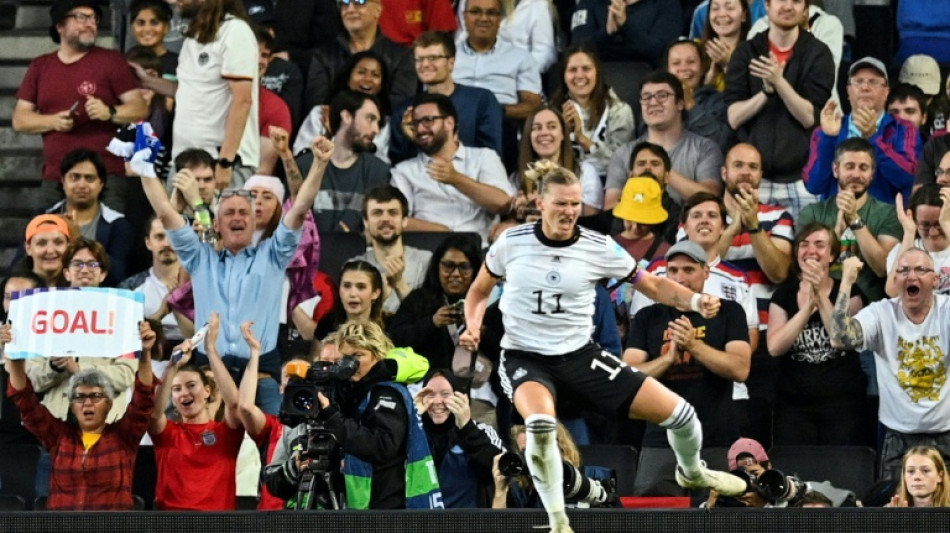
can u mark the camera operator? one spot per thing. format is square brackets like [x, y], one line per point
[769, 487]
[375, 423]
[463, 449]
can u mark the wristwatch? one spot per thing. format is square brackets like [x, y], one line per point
[225, 163]
[111, 113]
[857, 224]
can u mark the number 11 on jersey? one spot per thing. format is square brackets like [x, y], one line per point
[541, 300]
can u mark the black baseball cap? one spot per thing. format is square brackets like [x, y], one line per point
[61, 8]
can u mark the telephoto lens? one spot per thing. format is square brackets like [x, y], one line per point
[511, 464]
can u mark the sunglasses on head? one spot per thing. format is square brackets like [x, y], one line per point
[227, 193]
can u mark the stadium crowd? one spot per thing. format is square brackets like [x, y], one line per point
[227, 160]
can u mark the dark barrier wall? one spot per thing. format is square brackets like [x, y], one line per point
[503, 521]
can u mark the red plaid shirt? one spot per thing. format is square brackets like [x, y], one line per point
[97, 479]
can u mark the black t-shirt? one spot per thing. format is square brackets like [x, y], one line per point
[709, 394]
[812, 371]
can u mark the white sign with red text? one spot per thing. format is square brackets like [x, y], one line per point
[75, 322]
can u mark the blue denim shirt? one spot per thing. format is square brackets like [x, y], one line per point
[240, 287]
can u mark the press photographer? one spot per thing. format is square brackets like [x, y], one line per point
[372, 421]
[767, 486]
[514, 488]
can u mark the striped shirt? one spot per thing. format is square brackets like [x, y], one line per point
[776, 222]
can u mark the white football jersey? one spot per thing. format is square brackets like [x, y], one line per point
[548, 299]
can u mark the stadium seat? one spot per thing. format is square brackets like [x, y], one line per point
[17, 477]
[622, 459]
[656, 468]
[846, 467]
[10, 502]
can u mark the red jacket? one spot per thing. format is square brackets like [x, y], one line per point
[97, 479]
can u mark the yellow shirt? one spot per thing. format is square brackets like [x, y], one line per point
[90, 439]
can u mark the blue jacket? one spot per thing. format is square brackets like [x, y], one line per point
[897, 147]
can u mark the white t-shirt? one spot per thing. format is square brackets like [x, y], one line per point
[203, 98]
[911, 364]
[155, 291]
[442, 203]
[941, 261]
[548, 301]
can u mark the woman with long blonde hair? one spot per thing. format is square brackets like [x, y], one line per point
[924, 479]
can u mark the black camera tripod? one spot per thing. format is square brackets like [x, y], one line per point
[321, 483]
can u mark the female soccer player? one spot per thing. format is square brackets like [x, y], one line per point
[551, 268]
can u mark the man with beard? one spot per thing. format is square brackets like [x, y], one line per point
[758, 242]
[84, 178]
[896, 142]
[758, 237]
[156, 282]
[385, 214]
[695, 159]
[776, 84]
[354, 121]
[75, 97]
[450, 187]
[867, 227]
[908, 336]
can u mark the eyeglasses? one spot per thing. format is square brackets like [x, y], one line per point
[227, 193]
[449, 266]
[83, 18]
[355, 2]
[873, 83]
[920, 271]
[429, 59]
[477, 13]
[927, 227]
[661, 97]
[426, 121]
[94, 397]
[940, 172]
[82, 265]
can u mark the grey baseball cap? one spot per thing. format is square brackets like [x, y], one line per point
[688, 248]
[869, 62]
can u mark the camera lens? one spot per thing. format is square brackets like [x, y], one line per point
[511, 464]
[304, 400]
[774, 485]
